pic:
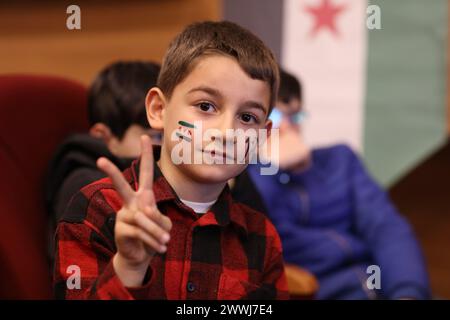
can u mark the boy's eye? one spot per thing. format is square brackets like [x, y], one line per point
[249, 118]
[206, 107]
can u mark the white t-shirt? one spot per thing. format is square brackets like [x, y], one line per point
[199, 207]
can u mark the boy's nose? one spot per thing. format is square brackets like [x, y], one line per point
[226, 123]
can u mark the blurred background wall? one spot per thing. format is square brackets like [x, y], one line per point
[34, 37]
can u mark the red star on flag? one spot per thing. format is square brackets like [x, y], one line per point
[325, 16]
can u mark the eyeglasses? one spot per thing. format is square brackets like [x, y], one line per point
[277, 116]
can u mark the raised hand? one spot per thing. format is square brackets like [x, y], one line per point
[141, 229]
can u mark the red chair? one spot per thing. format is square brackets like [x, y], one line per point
[36, 114]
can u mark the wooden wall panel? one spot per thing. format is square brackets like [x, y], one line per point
[34, 37]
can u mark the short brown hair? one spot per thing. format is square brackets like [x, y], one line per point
[222, 37]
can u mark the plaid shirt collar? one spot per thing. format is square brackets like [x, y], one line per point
[163, 191]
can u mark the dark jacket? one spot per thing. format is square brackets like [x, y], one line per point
[335, 221]
[244, 191]
[73, 167]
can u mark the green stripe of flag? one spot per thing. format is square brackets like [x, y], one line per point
[406, 86]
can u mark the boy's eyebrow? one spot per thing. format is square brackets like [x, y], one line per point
[211, 91]
[255, 105]
[216, 93]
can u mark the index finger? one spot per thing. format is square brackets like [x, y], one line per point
[146, 167]
[121, 185]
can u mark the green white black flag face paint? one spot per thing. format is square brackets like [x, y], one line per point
[184, 130]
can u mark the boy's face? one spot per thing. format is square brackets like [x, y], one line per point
[222, 96]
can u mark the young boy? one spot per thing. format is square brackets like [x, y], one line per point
[167, 231]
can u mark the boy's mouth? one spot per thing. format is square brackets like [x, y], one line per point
[215, 153]
[224, 155]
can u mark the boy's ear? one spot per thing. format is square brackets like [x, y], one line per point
[101, 131]
[155, 103]
[268, 127]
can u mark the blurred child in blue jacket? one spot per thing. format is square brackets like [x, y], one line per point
[333, 218]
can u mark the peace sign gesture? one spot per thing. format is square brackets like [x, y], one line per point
[141, 229]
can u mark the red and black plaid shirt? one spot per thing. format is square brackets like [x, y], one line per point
[230, 252]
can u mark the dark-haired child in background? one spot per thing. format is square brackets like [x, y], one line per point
[117, 119]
